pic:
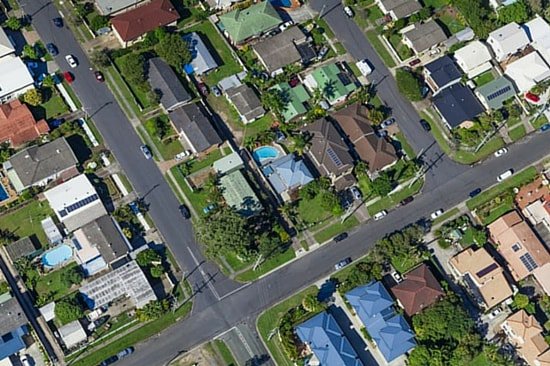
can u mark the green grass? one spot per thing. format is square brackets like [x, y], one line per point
[323, 24]
[405, 145]
[335, 229]
[393, 200]
[26, 220]
[198, 198]
[53, 284]
[235, 263]
[516, 180]
[113, 78]
[517, 133]
[380, 48]
[539, 121]
[224, 352]
[269, 320]
[229, 65]
[452, 24]
[170, 146]
[139, 94]
[340, 49]
[447, 215]
[310, 211]
[511, 122]
[481, 360]
[261, 124]
[206, 161]
[374, 14]
[405, 262]
[271, 263]
[435, 4]
[365, 187]
[131, 339]
[484, 78]
[497, 211]
[402, 50]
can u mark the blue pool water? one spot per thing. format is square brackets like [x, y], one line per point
[57, 255]
[3, 194]
[281, 3]
[264, 153]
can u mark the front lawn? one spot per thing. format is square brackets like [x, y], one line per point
[374, 14]
[311, 212]
[139, 93]
[405, 146]
[392, 200]
[335, 229]
[271, 263]
[517, 133]
[402, 50]
[447, 215]
[377, 44]
[26, 220]
[54, 284]
[539, 121]
[170, 146]
[198, 198]
[405, 262]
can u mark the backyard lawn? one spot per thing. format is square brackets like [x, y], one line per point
[53, 283]
[517, 133]
[170, 146]
[435, 4]
[26, 220]
[452, 24]
[262, 124]
[484, 78]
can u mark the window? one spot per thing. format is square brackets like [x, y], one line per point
[516, 247]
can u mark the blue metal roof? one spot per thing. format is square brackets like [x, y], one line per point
[327, 341]
[287, 173]
[374, 306]
[202, 60]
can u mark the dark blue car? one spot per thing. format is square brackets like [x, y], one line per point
[475, 192]
[52, 49]
[545, 127]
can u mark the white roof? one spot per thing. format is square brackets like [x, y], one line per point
[72, 334]
[527, 71]
[6, 47]
[107, 7]
[473, 55]
[48, 311]
[538, 31]
[510, 38]
[14, 75]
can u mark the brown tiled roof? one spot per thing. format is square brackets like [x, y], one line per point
[532, 192]
[527, 338]
[419, 290]
[377, 152]
[17, 124]
[135, 23]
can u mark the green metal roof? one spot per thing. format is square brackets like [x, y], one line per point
[238, 194]
[496, 92]
[331, 81]
[296, 97]
[250, 22]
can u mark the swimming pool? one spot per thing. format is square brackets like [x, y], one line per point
[264, 153]
[281, 3]
[3, 194]
[57, 255]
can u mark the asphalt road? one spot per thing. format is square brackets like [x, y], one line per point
[123, 141]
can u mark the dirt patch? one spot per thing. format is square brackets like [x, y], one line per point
[203, 356]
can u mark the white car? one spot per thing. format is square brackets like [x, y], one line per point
[348, 11]
[380, 215]
[505, 175]
[71, 61]
[24, 360]
[436, 214]
[501, 152]
[364, 67]
[285, 25]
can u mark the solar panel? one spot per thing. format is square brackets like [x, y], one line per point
[528, 262]
[499, 92]
[335, 159]
[487, 270]
[75, 206]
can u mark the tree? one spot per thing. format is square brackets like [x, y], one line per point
[330, 202]
[7, 236]
[72, 276]
[101, 58]
[268, 244]
[311, 304]
[98, 21]
[521, 301]
[408, 84]
[162, 127]
[301, 142]
[376, 115]
[33, 97]
[517, 12]
[148, 258]
[153, 310]
[132, 67]
[5, 152]
[274, 99]
[382, 185]
[535, 5]
[157, 271]
[68, 310]
[13, 23]
[48, 81]
[476, 15]
[30, 52]
[174, 50]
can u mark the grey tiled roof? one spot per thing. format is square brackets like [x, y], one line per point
[164, 80]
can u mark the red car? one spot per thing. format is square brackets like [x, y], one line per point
[203, 89]
[532, 97]
[68, 77]
[99, 76]
[414, 62]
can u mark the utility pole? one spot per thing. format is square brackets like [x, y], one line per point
[321, 12]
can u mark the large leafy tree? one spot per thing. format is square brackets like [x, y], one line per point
[68, 310]
[174, 50]
[382, 185]
[408, 84]
[153, 310]
[132, 67]
[147, 258]
[517, 12]
[275, 100]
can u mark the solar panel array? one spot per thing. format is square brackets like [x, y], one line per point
[528, 262]
[499, 92]
[75, 206]
[491, 267]
[335, 159]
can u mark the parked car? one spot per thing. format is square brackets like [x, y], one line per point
[294, 81]
[475, 192]
[68, 77]
[24, 360]
[390, 121]
[407, 200]
[285, 25]
[545, 127]
[507, 174]
[322, 52]
[348, 11]
[355, 193]
[209, 208]
[52, 49]
[109, 361]
[501, 152]
[58, 22]
[364, 67]
[71, 61]
[125, 352]
[380, 215]
[425, 125]
[185, 212]
[495, 313]
[414, 62]
[99, 76]
[146, 152]
[203, 89]
[216, 91]
[436, 214]
[340, 237]
[396, 276]
[342, 263]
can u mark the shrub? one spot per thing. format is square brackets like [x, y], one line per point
[408, 84]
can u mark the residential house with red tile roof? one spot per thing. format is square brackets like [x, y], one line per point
[17, 124]
[525, 333]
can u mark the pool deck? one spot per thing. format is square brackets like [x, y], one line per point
[12, 194]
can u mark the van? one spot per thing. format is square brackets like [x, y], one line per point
[380, 215]
[505, 175]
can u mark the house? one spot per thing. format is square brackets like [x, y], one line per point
[18, 125]
[165, 82]
[286, 175]
[246, 102]
[228, 164]
[493, 94]
[474, 58]
[526, 334]
[6, 46]
[202, 60]
[75, 202]
[457, 106]
[296, 99]
[507, 40]
[334, 82]
[424, 36]
[132, 26]
[72, 334]
[389, 330]
[280, 50]
[22, 248]
[528, 71]
[329, 152]
[516, 242]
[13, 327]
[398, 9]
[418, 290]
[40, 165]
[441, 73]
[482, 275]
[238, 194]
[127, 281]
[532, 192]
[538, 31]
[222, 4]
[323, 337]
[114, 7]
[15, 78]
[377, 152]
[99, 243]
[193, 125]
[241, 25]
